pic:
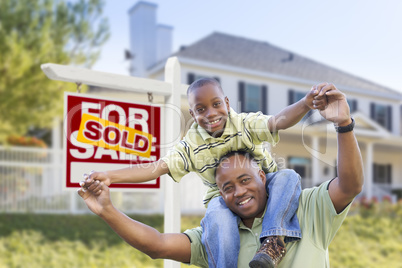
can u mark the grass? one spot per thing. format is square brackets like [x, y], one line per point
[32, 240]
[370, 237]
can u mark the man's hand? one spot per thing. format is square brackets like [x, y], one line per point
[313, 101]
[96, 197]
[337, 109]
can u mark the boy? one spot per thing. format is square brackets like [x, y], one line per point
[218, 129]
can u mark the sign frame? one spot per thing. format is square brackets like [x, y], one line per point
[73, 183]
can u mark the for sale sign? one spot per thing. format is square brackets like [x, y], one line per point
[104, 134]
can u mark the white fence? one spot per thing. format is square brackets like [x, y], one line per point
[27, 181]
[31, 180]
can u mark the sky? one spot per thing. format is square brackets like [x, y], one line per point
[361, 37]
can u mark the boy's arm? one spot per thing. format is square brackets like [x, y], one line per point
[140, 236]
[134, 174]
[293, 113]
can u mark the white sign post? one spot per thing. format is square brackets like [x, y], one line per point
[171, 89]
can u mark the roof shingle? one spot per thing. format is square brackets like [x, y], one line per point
[261, 56]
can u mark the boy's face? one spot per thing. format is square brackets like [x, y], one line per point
[209, 108]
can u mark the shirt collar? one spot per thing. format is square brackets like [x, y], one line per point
[256, 222]
[230, 128]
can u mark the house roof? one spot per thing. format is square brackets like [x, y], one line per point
[261, 56]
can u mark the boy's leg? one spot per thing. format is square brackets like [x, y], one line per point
[280, 219]
[220, 234]
[284, 189]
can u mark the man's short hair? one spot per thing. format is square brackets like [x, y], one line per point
[202, 82]
[249, 156]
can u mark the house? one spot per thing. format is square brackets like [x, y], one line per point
[258, 76]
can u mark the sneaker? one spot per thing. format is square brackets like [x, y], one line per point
[270, 254]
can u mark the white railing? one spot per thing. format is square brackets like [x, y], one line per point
[27, 181]
[381, 190]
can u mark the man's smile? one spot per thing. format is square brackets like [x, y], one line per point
[245, 201]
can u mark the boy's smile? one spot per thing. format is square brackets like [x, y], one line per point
[209, 108]
[213, 124]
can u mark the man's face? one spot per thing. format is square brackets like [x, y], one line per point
[241, 184]
[209, 108]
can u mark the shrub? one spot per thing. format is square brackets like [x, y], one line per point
[26, 141]
[371, 236]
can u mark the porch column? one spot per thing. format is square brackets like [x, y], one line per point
[315, 163]
[368, 177]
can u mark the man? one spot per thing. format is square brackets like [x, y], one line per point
[321, 209]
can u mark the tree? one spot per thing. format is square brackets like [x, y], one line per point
[33, 32]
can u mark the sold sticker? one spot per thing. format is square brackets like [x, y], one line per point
[109, 135]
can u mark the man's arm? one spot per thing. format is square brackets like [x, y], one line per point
[140, 236]
[349, 182]
[293, 113]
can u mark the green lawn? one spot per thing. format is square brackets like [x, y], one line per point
[370, 237]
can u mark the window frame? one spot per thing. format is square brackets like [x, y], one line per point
[385, 122]
[191, 77]
[386, 177]
[242, 97]
[352, 105]
[296, 95]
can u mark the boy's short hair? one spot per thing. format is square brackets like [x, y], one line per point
[202, 82]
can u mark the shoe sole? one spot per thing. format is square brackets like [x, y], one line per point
[261, 261]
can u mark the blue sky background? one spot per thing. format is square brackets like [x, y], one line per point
[362, 37]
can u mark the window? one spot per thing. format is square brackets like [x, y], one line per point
[382, 114]
[336, 168]
[301, 165]
[352, 105]
[253, 97]
[294, 96]
[382, 173]
[400, 120]
[191, 77]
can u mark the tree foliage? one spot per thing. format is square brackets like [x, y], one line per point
[33, 32]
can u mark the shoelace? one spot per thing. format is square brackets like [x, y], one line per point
[273, 249]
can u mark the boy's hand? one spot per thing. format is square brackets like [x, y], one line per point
[92, 177]
[315, 100]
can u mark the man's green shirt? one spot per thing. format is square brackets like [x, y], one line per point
[319, 223]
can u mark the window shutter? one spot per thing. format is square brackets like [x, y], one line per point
[372, 110]
[309, 116]
[374, 173]
[336, 169]
[389, 116]
[264, 94]
[291, 97]
[241, 94]
[389, 174]
[354, 105]
[190, 78]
